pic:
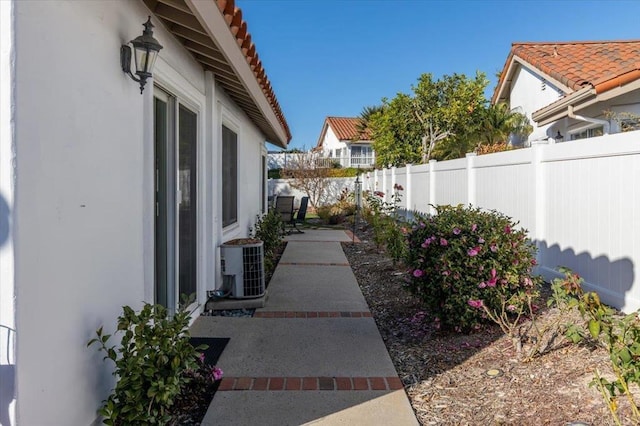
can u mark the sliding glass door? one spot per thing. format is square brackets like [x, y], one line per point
[175, 136]
[187, 217]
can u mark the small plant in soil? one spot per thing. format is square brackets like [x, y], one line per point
[154, 364]
[619, 334]
[268, 228]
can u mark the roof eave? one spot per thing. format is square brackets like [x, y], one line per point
[510, 69]
[588, 96]
[209, 16]
[618, 81]
[559, 109]
[208, 32]
[504, 81]
[323, 132]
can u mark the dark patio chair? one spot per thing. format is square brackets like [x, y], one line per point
[291, 217]
[284, 207]
[301, 214]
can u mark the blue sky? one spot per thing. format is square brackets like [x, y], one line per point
[334, 57]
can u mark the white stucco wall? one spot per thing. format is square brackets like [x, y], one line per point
[84, 211]
[527, 93]
[331, 142]
[7, 181]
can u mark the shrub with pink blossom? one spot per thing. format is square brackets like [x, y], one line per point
[465, 258]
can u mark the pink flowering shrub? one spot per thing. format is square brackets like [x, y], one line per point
[464, 259]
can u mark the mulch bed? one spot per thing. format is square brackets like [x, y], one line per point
[191, 406]
[444, 373]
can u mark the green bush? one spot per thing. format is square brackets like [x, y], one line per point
[337, 212]
[268, 228]
[388, 228]
[619, 334]
[346, 172]
[463, 259]
[151, 363]
[329, 214]
[274, 173]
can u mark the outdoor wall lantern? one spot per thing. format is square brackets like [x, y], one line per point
[145, 50]
[559, 137]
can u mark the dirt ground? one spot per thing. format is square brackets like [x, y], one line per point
[445, 374]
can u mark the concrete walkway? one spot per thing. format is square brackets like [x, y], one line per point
[313, 354]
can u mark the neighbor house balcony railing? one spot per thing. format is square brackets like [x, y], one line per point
[355, 161]
[295, 160]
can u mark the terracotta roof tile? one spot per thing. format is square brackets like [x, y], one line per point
[238, 27]
[346, 128]
[577, 64]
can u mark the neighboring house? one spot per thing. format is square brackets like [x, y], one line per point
[342, 142]
[573, 90]
[110, 197]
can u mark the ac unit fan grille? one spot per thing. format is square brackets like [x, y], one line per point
[243, 270]
[253, 271]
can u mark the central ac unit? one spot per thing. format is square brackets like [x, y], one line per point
[243, 268]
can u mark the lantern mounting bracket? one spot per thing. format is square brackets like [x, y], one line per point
[125, 61]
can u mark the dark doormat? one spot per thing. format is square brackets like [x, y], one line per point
[191, 406]
[213, 352]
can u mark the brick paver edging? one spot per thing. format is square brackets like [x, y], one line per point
[304, 314]
[353, 238]
[310, 383]
[312, 264]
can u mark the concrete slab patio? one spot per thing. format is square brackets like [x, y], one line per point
[313, 354]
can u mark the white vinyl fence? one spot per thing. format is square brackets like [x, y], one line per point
[580, 201]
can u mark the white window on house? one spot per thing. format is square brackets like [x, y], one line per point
[590, 132]
[361, 155]
[229, 177]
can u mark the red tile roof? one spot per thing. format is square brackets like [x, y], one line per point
[238, 27]
[602, 65]
[346, 129]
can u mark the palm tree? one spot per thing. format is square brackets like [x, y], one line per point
[499, 122]
[365, 117]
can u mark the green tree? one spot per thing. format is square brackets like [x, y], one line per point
[449, 108]
[395, 132]
[456, 146]
[441, 119]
